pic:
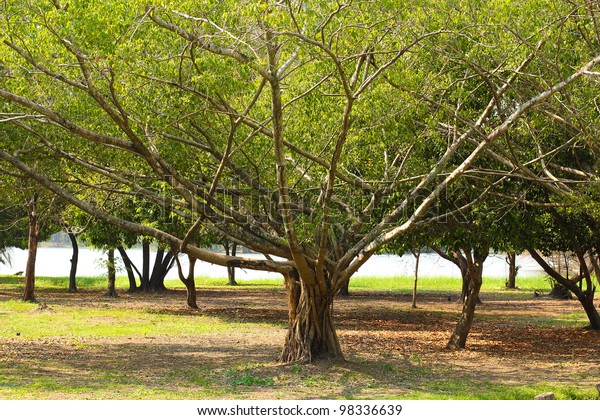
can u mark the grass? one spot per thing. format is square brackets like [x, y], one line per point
[59, 283]
[404, 284]
[150, 347]
[397, 284]
[485, 390]
[27, 321]
[281, 382]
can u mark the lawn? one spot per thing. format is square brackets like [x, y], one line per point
[150, 346]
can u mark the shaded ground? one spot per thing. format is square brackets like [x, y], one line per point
[517, 348]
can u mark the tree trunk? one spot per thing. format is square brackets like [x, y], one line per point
[32, 246]
[167, 264]
[586, 298]
[458, 340]
[155, 284]
[345, 289]
[462, 264]
[587, 301]
[595, 266]
[111, 291]
[311, 333]
[74, 262]
[162, 264]
[190, 286]
[145, 280]
[231, 270]
[129, 268]
[417, 255]
[511, 258]
[189, 281]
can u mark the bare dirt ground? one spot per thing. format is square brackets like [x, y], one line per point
[391, 349]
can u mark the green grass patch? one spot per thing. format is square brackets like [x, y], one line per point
[404, 285]
[394, 284]
[210, 282]
[27, 321]
[248, 378]
[468, 389]
[122, 282]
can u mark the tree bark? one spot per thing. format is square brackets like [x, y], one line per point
[311, 333]
[189, 281]
[345, 289]
[32, 246]
[595, 265]
[461, 261]
[74, 262]
[586, 297]
[162, 264]
[417, 255]
[129, 268]
[190, 286]
[111, 291]
[167, 264]
[511, 258]
[458, 340]
[587, 301]
[231, 270]
[145, 280]
[154, 281]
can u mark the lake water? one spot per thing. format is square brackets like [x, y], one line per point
[55, 262]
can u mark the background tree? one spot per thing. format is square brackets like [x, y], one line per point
[74, 257]
[27, 219]
[572, 231]
[104, 236]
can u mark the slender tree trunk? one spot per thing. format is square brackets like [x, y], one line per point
[166, 265]
[32, 246]
[129, 268]
[190, 285]
[311, 333]
[586, 297]
[145, 280]
[189, 281]
[417, 255]
[155, 283]
[595, 266]
[162, 264]
[461, 262]
[458, 340]
[345, 289]
[587, 301]
[74, 262]
[111, 291]
[231, 270]
[511, 258]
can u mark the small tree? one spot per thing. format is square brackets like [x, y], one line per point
[570, 230]
[25, 220]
